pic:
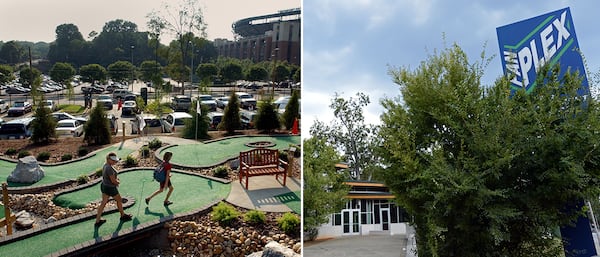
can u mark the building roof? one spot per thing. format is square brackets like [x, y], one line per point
[258, 25]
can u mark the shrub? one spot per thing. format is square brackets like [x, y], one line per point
[23, 153]
[43, 126]
[97, 128]
[43, 156]
[155, 144]
[130, 161]
[224, 213]
[82, 179]
[145, 151]
[283, 155]
[220, 171]
[82, 151]
[11, 151]
[289, 223]
[66, 157]
[255, 217]
[98, 172]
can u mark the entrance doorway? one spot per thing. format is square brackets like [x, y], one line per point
[351, 222]
[385, 219]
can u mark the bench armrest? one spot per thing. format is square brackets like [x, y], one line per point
[283, 163]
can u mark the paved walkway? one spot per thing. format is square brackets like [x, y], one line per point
[261, 190]
[348, 246]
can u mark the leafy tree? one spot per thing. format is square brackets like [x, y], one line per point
[43, 126]
[149, 70]
[297, 75]
[68, 46]
[484, 170]
[121, 70]
[12, 53]
[31, 77]
[190, 125]
[231, 117]
[92, 72]
[182, 21]
[232, 72]
[267, 119]
[62, 72]
[280, 73]
[207, 71]
[6, 74]
[97, 128]
[257, 73]
[323, 188]
[292, 110]
[350, 135]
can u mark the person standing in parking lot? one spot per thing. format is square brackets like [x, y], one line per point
[119, 104]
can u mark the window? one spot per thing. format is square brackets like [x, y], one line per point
[337, 219]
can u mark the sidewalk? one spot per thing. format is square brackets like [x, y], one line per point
[349, 246]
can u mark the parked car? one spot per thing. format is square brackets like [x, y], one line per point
[19, 108]
[175, 121]
[3, 106]
[95, 89]
[16, 129]
[181, 103]
[130, 97]
[247, 101]
[152, 124]
[121, 93]
[222, 101]
[281, 103]
[247, 119]
[214, 119]
[58, 116]
[208, 101]
[129, 108]
[50, 105]
[69, 128]
[106, 101]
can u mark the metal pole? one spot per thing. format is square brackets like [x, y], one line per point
[132, 47]
[192, 70]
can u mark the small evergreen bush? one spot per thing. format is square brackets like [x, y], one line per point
[221, 171]
[130, 161]
[155, 144]
[82, 151]
[145, 151]
[66, 157]
[224, 213]
[289, 223]
[98, 172]
[23, 153]
[255, 217]
[43, 156]
[82, 179]
[11, 151]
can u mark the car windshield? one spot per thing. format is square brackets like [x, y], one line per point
[129, 104]
[19, 104]
[47, 103]
[245, 96]
[65, 125]
[104, 97]
[184, 100]
[205, 98]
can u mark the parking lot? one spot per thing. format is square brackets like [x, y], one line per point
[125, 121]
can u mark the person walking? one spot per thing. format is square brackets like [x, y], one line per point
[119, 104]
[108, 187]
[166, 168]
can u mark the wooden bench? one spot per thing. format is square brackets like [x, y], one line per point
[261, 161]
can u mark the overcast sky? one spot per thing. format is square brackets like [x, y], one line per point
[349, 44]
[36, 20]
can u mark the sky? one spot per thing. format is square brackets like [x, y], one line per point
[350, 45]
[35, 20]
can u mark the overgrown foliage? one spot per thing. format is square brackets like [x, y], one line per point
[43, 126]
[189, 130]
[255, 217]
[224, 214]
[231, 116]
[267, 119]
[484, 170]
[289, 223]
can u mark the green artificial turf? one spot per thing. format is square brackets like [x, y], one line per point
[291, 200]
[218, 151]
[190, 193]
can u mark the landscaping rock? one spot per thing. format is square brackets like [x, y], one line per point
[274, 249]
[27, 171]
[24, 220]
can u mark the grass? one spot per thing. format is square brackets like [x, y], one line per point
[292, 200]
[71, 108]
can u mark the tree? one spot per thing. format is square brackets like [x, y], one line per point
[43, 126]
[6, 74]
[62, 72]
[121, 70]
[31, 77]
[257, 73]
[280, 73]
[292, 110]
[323, 188]
[97, 128]
[350, 135]
[267, 119]
[297, 75]
[189, 130]
[68, 46]
[149, 70]
[231, 117]
[92, 72]
[232, 72]
[207, 71]
[484, 170]
[12, 53]
[182, 21]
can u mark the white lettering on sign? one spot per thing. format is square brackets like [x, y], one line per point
[549, 40]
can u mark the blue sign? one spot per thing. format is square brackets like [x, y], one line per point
[527, 45]
[524, 47]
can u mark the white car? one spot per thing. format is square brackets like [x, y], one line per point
[247, 101]
[175, 122]
[50, 105]
[129, 108]
[208, 101]
[69, 128]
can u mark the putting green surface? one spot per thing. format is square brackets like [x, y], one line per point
[64, 172]
[218, 151]
[291, 200]
[190, 193]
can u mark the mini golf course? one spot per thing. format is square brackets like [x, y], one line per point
[192, 193]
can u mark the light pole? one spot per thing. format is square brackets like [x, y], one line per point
[273, 59]
[133, 66]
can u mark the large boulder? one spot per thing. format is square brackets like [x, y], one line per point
[27, 171]
[274, 249]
